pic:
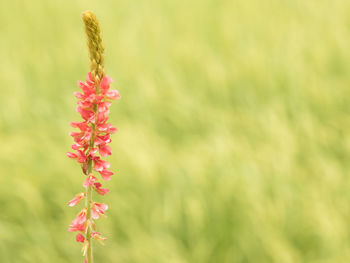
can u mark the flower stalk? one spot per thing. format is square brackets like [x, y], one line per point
[93, 106]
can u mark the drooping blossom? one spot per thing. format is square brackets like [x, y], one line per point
[76, 199]
[98, 188]
[106, 174]
[77, 227]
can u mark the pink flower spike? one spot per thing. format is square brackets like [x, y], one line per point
[92, 135]
[76, 199]
[105, 150]
[89, 181]
[106, 174]
[80, 238]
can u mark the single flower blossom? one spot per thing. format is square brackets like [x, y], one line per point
[80, 238]
[89, 181]
[98, 210]
[77, 227]
[80, 218]
[106, 174]
[76, 199]
[99, 190]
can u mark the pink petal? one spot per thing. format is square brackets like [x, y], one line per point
[101, 164]
[71, 155]
[102, 206]
[80, 238]
[94, 214]
[89, 79]
[106, 174]
[89, 181]
[77, 146]
[99, 190]
[107, 127]
[112, 94]
[76, 199]
[78, 227]
[82, 84]
[105, 150]
[78, 95]
[80, 218]
[105, 81]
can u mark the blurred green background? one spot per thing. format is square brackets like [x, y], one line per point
[233, 142]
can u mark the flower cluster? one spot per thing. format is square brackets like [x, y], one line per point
[90, 145]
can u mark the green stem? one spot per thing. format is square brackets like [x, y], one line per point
[88, 218]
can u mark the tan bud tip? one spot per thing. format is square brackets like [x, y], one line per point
[88, 14]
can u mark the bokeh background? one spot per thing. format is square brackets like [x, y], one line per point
[233, 142]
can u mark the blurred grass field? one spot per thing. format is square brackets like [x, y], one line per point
[233, 142]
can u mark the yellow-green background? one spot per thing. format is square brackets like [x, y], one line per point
[234, 130]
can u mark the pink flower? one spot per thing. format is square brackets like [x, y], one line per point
[105, 150]
[89, 181]
[105, 81]
[81, 137]
[106, 127]
[76, 199]
[102, 139]
[98, 209]
[80, 218]
[77, 227]
[80, 238]
[104, 107]
[87, 115]
[106, 174]
[100, 164]
[83, 126]
[112, 94]
[92, 152]
[76, 146]
[72, 155]
[90, 145]
[80, 156]
[99, 190]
